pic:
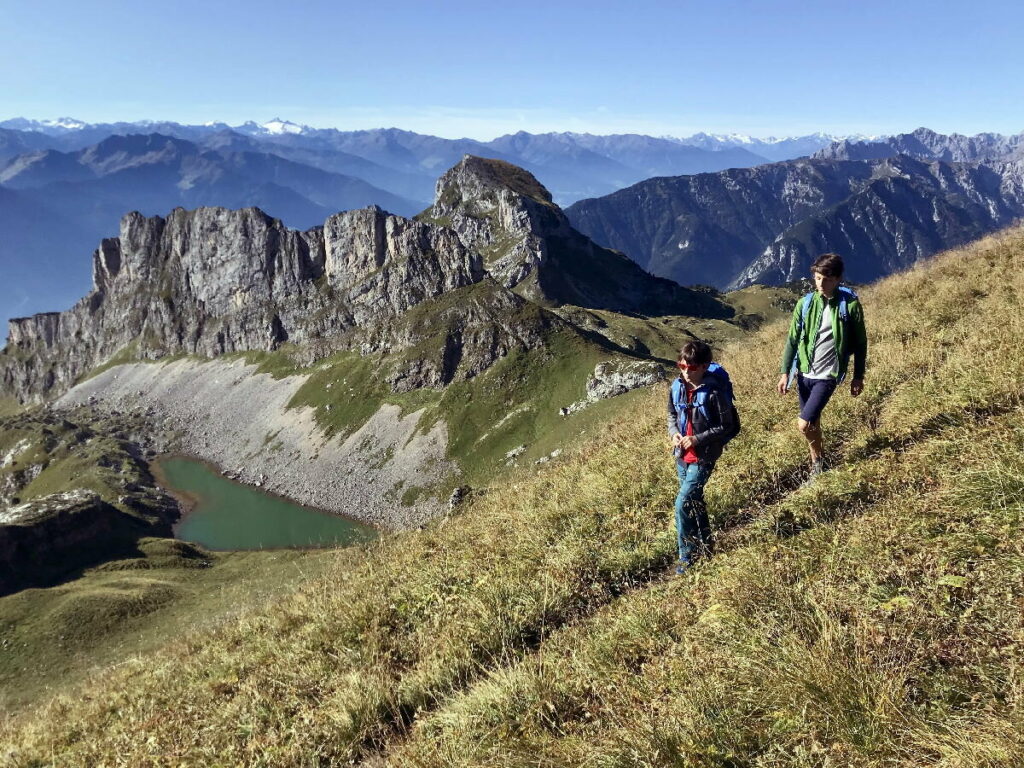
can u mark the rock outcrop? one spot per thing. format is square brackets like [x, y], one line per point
[614, 378]
[45, 538]
[75, 490]
[214, 281]
[529, 246]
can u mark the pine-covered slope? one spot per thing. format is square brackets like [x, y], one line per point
[870, 619]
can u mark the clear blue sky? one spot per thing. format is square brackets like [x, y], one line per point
[482, 69]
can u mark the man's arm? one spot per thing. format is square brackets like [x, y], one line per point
[858, 340]
[789, 349]
[673, 417]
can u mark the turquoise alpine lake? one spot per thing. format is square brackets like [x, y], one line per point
[222, 514]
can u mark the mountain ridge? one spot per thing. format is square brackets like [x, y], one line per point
[213, 281]
[767, 224]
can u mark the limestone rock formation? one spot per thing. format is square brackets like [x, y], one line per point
[529, 246]
[611, 379]
[614, 378]
[477, 266]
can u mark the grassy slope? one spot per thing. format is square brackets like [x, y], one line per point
[514, 402]
[117, 615]
[9, 406]
[871, 619]
[53, 637]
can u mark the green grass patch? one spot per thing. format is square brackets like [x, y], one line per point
[52, 638]
[127, 354]
[279, 364]
[9, 406]
[347, 389]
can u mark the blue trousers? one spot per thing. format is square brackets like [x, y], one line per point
[692, 527]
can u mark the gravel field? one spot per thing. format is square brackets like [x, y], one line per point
[225, 413]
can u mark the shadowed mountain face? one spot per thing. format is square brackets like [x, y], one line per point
[488, 255]
[767, 224]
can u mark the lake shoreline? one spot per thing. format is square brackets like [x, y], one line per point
[191, 502]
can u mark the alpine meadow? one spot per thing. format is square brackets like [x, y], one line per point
[873, 618]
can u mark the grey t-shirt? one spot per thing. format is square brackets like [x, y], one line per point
[825, 361]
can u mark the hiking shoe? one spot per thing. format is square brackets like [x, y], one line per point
[683, 567]
[817, 468]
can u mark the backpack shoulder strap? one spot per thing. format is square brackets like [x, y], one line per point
[846, 295]
[676, 393]
[805, 309]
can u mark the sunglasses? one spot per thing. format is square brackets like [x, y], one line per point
[686, 367]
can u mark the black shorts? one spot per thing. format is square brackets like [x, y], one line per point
[814, 395]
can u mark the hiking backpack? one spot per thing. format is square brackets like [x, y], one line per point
[725, 387]
[846, 295]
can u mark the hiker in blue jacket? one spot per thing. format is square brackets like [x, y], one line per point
[827, 328]
[701, 419]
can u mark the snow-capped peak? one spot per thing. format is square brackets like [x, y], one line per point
[60, 125]
[277, 126]
[67, 123]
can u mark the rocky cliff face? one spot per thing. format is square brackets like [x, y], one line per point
[214, 281]
[909, 211]
[529, 246]
[767, 224]
[706, 229]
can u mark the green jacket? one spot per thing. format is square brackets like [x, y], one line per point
[851, 338]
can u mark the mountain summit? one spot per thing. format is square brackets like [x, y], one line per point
[213, 281]
[528, 245]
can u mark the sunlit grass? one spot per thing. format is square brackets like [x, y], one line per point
[871, 619]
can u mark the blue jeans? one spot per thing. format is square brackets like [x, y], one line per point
[692, 527]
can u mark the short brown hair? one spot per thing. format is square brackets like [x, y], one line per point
[695, 353]
[828, 264]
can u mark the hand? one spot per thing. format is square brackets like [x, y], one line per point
[856, 387]
[783, 386]
[677, 440]
[688, 442]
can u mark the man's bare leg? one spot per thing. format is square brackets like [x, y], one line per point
[811, 430]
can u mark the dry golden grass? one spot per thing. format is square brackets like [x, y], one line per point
[872, 619]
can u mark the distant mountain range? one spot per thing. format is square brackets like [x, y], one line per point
[705, 209]
[895, 202]
[572, 165]
[926, 144]
[65, 183]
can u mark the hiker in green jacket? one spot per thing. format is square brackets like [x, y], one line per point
[827, 328]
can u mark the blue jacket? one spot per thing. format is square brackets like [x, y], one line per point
[712, 420]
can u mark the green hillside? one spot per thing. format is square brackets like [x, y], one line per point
[872, 619]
